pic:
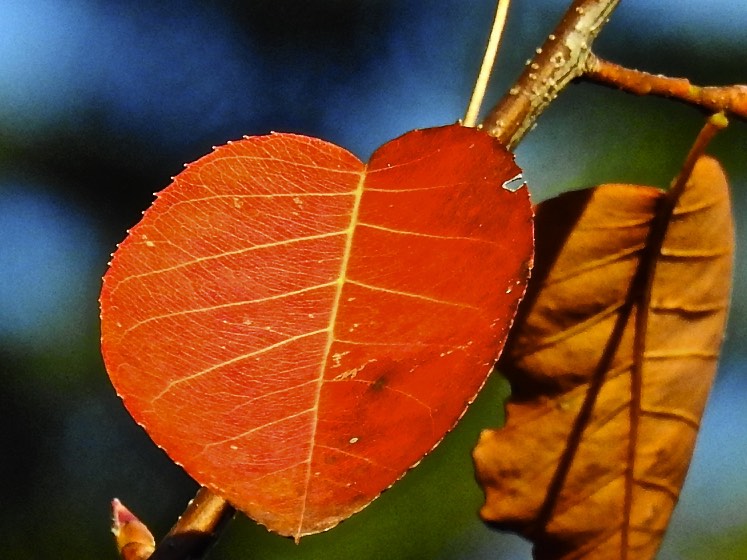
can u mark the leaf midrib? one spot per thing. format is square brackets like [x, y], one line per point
[341, 279]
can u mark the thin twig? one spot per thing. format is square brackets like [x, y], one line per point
[732, 99]
[561, 58]
[197, 529]
[488, 63]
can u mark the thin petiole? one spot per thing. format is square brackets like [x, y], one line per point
[488, 61]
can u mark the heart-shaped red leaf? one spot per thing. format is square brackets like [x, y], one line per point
[297, 328]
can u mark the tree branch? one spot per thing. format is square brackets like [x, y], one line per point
[566, 55]
[563, 57]
[197, 529]
[190, 538]
[732, 99]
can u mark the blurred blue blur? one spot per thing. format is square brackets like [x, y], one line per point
[162, 72]
[48, 258]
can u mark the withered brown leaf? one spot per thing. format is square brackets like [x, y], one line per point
[610, 361]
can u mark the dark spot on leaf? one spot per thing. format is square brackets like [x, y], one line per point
[379, 383]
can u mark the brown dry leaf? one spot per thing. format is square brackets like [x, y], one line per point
[610, 364]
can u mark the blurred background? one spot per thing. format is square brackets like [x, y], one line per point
[102, 102]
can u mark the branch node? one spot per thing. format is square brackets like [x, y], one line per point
[561, 58]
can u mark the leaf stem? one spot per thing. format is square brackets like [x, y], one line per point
[713, 99]
[713, 126]
[647, 270]
[197, 529]
[488, 62]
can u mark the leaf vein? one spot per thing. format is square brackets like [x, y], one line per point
[231, 253]
[355, 456]
[256, 429]
[225, 306]
[225, 363]
[342, 278]
[677, 415]
[426, 235]
[410, 295]
[594, 264]
[275, 160]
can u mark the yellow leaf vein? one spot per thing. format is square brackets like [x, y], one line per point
[225, 306]
[426, 235]
[225, 363]
[410, 295]
[355, 456]
[276, 160]
[257, 429]
[330, 330]
[232, 253]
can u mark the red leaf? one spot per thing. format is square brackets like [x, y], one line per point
[297, 329]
